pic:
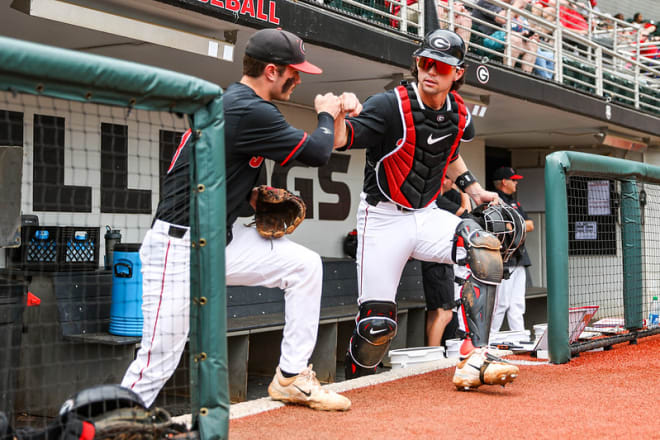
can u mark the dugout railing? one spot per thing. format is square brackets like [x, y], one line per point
[38, 82]
[602, 250]
[608, 57]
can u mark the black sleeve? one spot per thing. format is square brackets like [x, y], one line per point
[446, 204]
[318, 147]
[263, 131]
[370, 126]
[469, 132]
[522, 211]
[454, 196]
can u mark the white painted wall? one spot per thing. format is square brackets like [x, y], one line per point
[82, 167]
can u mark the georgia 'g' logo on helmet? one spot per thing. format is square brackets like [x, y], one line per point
[440, 43]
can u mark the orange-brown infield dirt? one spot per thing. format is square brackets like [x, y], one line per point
[611, 394]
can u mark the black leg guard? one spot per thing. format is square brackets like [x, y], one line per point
[478, 301]
[375, 327]
[478, 293]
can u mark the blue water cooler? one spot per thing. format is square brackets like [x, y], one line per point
[126, 308]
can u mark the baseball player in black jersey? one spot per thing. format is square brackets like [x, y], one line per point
[254, 130]
[511, 292]
[411, 135]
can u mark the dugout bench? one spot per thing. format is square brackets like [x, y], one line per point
[70, 326]
[255, 319]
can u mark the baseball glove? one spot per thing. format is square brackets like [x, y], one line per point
[138, 424]
[278, 212]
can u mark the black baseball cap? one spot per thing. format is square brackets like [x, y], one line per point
[506, 173]
[280, 47]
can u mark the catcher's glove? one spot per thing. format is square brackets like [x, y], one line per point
[138, 424]
[277, 212]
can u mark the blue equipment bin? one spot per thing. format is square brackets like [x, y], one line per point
[126, 309]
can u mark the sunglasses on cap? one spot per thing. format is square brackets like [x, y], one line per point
[441, 68]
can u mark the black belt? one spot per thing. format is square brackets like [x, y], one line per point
[177, 231]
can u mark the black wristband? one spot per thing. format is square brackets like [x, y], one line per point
[464, 180]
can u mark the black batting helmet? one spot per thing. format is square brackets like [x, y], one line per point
[505, 223]
[443, 45]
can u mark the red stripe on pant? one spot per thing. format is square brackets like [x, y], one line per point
[160, 302]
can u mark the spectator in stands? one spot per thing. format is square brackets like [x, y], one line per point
[462, 19]
[524, 40]
[545, 56]
[619, 16]
[569, 17]
[438, 278]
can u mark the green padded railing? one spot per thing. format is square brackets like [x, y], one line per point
[58, 73]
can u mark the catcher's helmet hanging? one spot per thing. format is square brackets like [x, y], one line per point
[506, 224]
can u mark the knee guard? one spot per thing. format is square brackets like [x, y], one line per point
[375, 327]
[478, 293]
[482, 252]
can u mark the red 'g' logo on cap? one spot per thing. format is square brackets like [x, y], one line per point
[302, 46]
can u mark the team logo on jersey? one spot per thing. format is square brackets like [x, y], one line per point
[440, 118]
[256, 161]
[440, 43]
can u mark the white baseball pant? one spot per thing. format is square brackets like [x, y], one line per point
[250, 260]
[510, 301]
[165, 308]
[388, 237]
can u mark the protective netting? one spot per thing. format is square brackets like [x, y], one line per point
[611, 288]
[84, 178]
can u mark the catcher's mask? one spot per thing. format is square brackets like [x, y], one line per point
[506, 224]
[443, 45]
[93, 401]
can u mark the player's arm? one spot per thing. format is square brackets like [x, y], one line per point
[459, 173]
[366, 126]
[350, 106]
[529, 225]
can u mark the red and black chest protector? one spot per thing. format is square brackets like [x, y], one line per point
[411, 175]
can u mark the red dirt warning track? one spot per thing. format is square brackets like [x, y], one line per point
[605, 394]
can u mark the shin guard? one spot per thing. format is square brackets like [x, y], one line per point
[478, 300]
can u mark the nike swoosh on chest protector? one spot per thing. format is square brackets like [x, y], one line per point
[431, 140]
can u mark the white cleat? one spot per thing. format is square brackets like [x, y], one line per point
[305, 389]
[480, 368]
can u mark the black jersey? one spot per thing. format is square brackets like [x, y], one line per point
[174, 205]
[450, 201]
[520, 257]
[255, 129]
[380, 129]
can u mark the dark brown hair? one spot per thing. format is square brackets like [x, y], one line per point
[254, 68]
